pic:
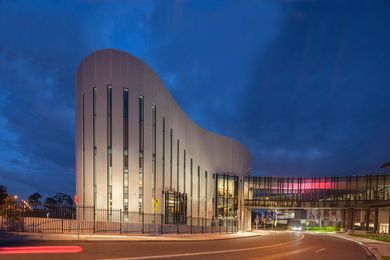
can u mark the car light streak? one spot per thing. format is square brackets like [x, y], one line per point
[40, 250]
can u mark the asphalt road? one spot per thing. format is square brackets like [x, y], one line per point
[282, 245]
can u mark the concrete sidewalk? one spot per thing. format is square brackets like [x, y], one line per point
[377, 248]
[21, 236]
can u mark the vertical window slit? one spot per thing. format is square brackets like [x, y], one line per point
[141, 156]
[125, 151]
[109, 149]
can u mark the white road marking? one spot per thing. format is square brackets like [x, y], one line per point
[319, 250]
[207, 253]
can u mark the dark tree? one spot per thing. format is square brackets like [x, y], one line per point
[50, 201]
[3, 194]
[60, 206]
[63, 199]
[33, 199]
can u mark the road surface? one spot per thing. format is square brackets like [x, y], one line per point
[278, 245]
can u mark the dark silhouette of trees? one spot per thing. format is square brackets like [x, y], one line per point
[33, 199]
[3, 194]
[63, 199]
[50, 201]
[60, 206]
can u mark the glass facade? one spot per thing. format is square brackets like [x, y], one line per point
[226, 205]
[348, 191]
[175, 208]
[353, 201]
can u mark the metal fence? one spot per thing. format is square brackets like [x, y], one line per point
[88, 220]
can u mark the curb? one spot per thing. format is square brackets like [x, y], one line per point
[369, 250]
[198, 240]
[17, 238]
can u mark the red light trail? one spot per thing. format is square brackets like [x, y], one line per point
[40, 250]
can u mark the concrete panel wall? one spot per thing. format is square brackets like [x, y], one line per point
[212, 153]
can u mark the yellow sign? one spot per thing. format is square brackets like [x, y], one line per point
[156, 202]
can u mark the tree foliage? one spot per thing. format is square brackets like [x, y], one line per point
[3, 194]
[60, 206]
[33, 199]
[60, 199]
[63, 199]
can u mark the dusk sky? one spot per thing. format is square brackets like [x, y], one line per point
[305, 85]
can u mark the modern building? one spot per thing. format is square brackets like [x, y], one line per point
[134, 145]
[138, 153]
[350, 202]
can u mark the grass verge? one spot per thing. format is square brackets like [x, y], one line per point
[375, 237]
[322, 229]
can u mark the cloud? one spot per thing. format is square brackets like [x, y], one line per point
[210, 48]
[41, 46]
[303, 84]
[323, 83]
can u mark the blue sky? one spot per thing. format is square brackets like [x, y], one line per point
[305, 85]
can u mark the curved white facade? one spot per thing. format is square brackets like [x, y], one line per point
[137, 170]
